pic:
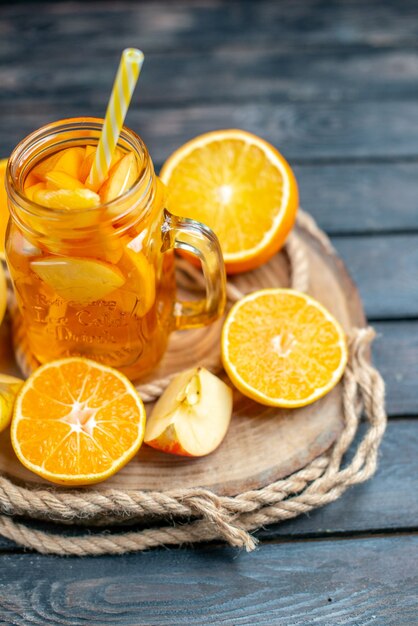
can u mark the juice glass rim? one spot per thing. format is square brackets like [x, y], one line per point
[39, 137]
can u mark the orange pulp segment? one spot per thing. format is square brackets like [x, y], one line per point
[240, 186]
[282, 348]
[77, 422]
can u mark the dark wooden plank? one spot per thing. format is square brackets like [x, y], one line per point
[300, 131]
[358, 581]
[343, 131]
[385, 270]
[343, 197]
[248, 75]
[358, 198]
[7, 545]
[395, 353]
[204, 23]
[385, 503]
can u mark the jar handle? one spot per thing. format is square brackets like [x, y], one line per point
[199, 240]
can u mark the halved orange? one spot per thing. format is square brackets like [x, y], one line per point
[283, 348]
[4, 210]
[77, 422]
[9, 386]
[240, 186]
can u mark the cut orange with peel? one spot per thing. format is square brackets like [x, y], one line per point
[77, 422]
[4, 210]
[283, 348]
[240, 186]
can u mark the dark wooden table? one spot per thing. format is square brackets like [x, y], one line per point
[335, 86]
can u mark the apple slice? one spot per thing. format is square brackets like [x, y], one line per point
[81, 280]
[43, 167]
[69, 161]
[192, 416]
[60, 180]
[72, 203]
[121, 178]
[87, 164]
[90, 155]
[30, 191]
[67, 198]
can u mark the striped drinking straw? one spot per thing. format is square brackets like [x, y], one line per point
[120, 98]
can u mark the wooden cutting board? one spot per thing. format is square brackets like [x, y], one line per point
[263, 444]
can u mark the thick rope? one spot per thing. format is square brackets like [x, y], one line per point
[199, 514]
[220, 517]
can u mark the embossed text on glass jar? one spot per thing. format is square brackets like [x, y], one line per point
[100, 282]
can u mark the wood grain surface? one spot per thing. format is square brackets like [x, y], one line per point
[334, 85]
[202, 24]
[328, 131]
[395, 354]
[265, 73]
[361, 198]
[379, 505]
[348, 582]
[385, 268]
[263, 444]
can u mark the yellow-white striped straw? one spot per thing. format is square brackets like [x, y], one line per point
[120, 98]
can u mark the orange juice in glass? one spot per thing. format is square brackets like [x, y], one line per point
[96, 279]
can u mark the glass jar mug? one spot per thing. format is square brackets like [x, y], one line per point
[99, 282]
